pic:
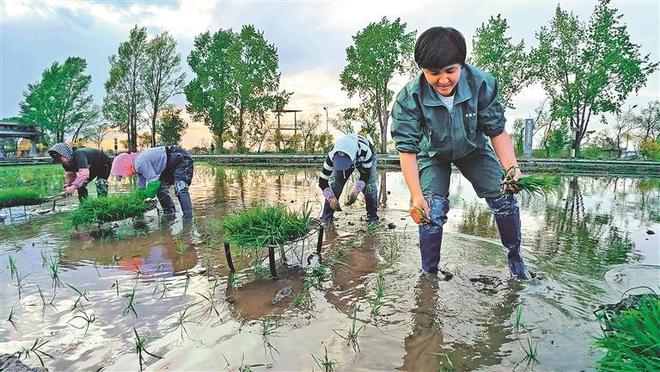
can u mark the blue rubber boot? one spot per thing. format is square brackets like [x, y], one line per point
[507, 216]
[430, 234]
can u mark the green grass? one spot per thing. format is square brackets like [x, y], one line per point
[263, 225]
[112, 208]
[15, 196]
[632, 341]
[49, 178]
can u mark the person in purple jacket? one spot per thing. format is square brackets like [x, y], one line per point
[157, 169]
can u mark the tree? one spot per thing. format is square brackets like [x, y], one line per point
[494, 52]
[144, 140]
[172, 126]
[95, 133]
[344, 120]
[622, 125]
[308, 128]
[380, 50]
[125, 94]
[209, 92]
[256, 77]
[518, 134]
[588, 69]
[260, 129]
[60, 103]
[648, 121]
[161, 76]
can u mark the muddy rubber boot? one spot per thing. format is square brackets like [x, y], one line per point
[371, 202]
[181, 191]
[166, 201]
[101, 188]
[430, 234]
[507, 216]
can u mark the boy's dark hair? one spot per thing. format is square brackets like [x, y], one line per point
[439, 47]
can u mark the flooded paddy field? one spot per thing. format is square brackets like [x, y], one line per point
[88, 298]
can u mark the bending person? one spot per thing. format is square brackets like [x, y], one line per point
[81, 166]
[157, 169]
[349, 152]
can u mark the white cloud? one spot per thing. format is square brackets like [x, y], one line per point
[15, 8]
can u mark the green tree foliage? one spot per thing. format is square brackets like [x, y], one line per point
[494, 52]
[161, 76]
[256, 77]
[588, 69]
[125, 93]
[171, 126]
[61, 103]
[236, 83]
[379, 51]
[647, 122]
[209, 92]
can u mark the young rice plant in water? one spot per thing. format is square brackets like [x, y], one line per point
[112, 208]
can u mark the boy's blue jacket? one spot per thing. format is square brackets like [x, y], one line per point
[421, 124]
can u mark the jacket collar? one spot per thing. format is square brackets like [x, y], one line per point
[462, 94]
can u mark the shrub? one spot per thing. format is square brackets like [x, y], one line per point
[650, 149]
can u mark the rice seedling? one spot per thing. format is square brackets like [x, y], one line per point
[94, 211]
[531, 353]
[12, 266]
[19, 283]
[115, 285]
[392, 250]
[10, 319]
[163, 291]
[301, 299]
[326, 364]
[212, 301]
[232, 280]
[518, 317]
[43, 300]
[371, 227]
[81, 296]
[353, 332]
[113, 259]
[181, 321]
[181, 246]
[54, 270]
[35, 350]
[44, 258]
[269, 329]
[377, 302]
[84, 316]
[533, 184]
[140, 344]
[318, 275]
[441, 367]
[261, 225]
[130, 304]
[632, 338]
[260, 272]
[15, 196]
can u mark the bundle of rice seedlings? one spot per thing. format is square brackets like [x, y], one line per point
[93, 211]
[632, 337]
[534, 184]
[15, 196]
[264, 225]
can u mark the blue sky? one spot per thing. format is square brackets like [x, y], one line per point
[311, 37]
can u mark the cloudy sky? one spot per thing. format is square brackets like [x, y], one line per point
[311, 38]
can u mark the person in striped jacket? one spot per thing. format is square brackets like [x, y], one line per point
[350, 152]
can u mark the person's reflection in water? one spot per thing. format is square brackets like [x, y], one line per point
[437, 338]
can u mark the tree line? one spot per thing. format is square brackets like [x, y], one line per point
[586, 68]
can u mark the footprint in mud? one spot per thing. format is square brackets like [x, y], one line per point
[486, 283]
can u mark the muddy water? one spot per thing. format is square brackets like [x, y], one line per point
[588, 242]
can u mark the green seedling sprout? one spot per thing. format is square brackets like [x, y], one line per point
[301, 299]
[326, 364]
[35, 350]
[212, 301]
[87, 318]
[531, 353]
[44, 258]
[54, 269]
[518, 317]
[377, 302]
[181, 321]
[115, 285]
[12, 266]
[10, 319]
[181, 246]
[353, 331]
[269, 329]
[81, 296]
[372, 227]
[441, 368]
[162, 293]
[140, 343]
[130, 304]
[19, 284]
[44, 302]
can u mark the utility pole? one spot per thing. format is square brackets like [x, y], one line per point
[326, 117]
